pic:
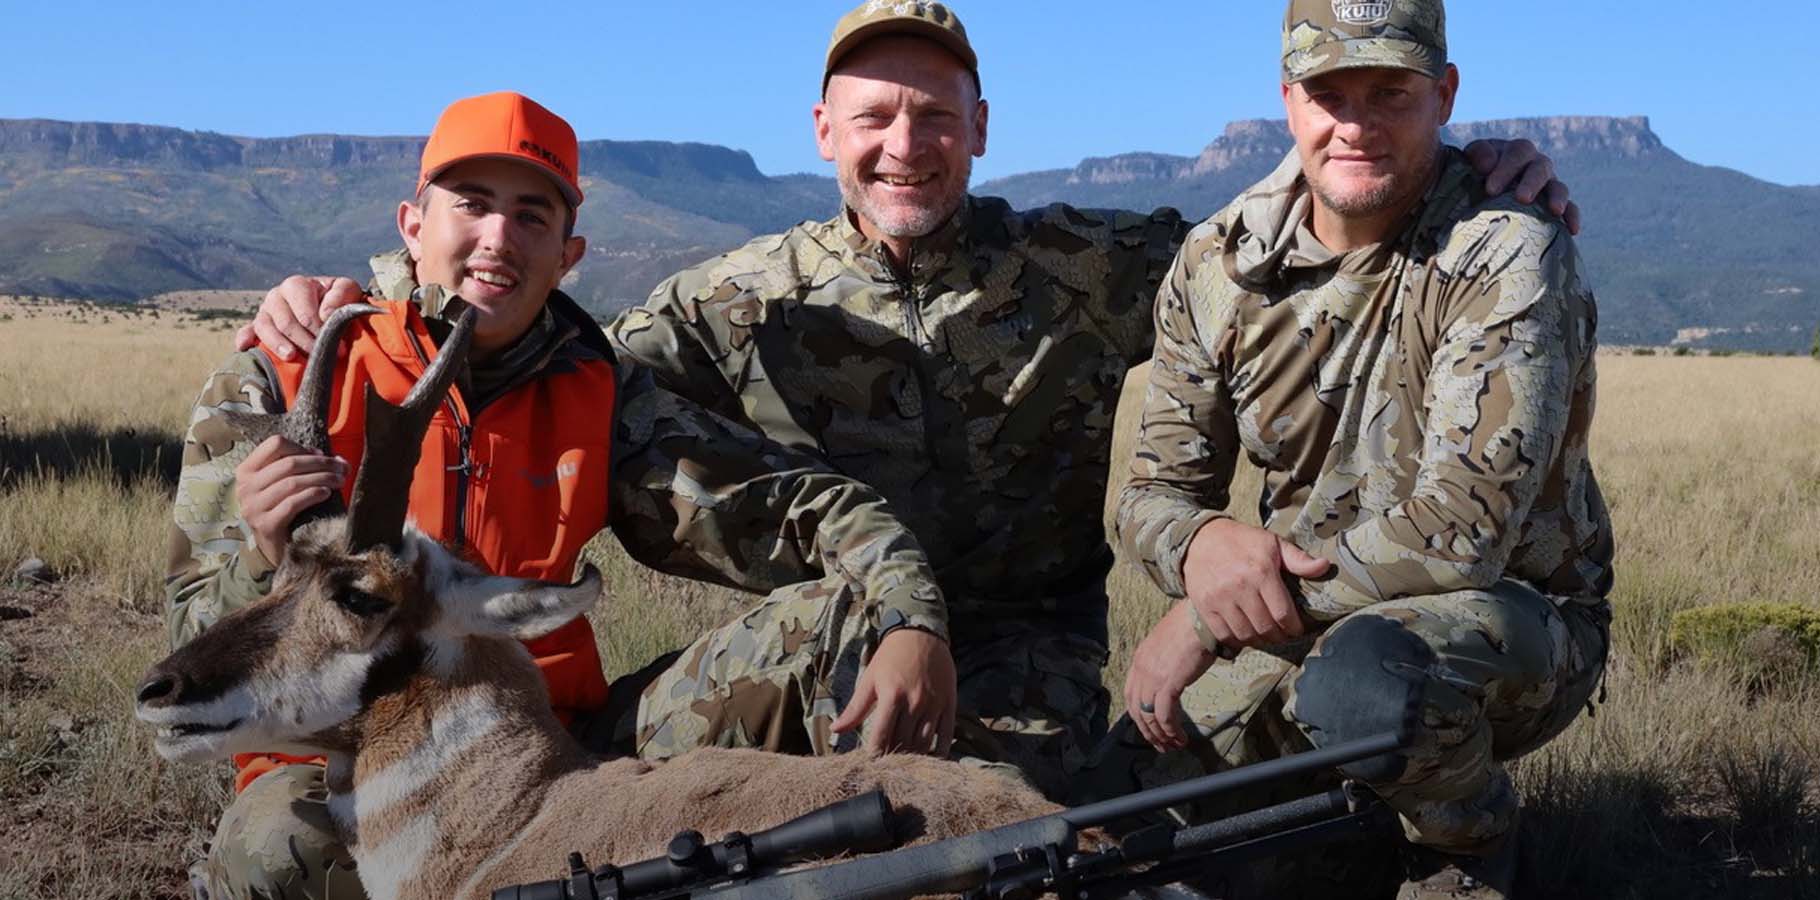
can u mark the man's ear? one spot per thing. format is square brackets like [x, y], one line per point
[824, 130]
[573, 250]
[1449, 87]
[979, 128]
[410, 226]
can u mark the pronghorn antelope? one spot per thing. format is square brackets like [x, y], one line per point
[448, 773]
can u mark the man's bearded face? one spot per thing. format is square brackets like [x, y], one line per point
[1368, 137]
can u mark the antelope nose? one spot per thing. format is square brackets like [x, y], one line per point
[158, 689]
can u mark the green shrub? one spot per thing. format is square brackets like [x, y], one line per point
[1816, 350]
[1644, 351]
[1684, 350]
[1764, 641]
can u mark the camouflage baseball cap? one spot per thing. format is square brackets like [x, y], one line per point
[877, 18]
[1324, 35]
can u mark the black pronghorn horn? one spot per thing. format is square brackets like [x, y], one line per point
[394, 441]
[307, 421]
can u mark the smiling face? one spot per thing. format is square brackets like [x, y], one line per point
[901, 121]
[492, 231]
[1369, 137]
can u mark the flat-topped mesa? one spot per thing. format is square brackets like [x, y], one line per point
[1126, 168]
[1628, 137]
[125, 144]
[1243, 141]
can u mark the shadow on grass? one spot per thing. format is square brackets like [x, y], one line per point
[1617, 834]
[127, 455]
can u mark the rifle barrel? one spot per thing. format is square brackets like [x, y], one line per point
[1107, 811]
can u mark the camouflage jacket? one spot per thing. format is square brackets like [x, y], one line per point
[975, 389]
[1420, 407]
[792, 513]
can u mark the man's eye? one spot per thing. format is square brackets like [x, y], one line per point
[532, 219]
[361, 603]
[471, 206]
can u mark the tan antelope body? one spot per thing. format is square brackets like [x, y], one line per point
[449, 776]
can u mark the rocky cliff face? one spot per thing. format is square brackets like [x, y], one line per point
[1622, 138]
[1247, 144]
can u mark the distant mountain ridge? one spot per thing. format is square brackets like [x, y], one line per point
[1676, 250]
[122, 211]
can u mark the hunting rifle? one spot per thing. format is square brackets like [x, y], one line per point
[1023, 859]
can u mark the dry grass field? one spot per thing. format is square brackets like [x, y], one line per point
[1693, 779]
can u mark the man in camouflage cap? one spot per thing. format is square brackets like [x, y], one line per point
[962, 359]
[1410, 362]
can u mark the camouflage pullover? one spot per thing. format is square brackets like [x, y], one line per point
[1420, 407]
[791, 513]
[974, 389]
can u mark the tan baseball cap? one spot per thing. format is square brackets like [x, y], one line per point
[877, 18]
[1325, 35]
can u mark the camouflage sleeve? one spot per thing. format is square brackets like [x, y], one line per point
[699, 492]
[213, 568]
[1511, 369]
[1187, 442]
[1144, 248]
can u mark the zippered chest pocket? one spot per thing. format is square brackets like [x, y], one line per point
[533, 501]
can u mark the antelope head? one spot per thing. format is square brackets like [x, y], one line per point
[362, 603]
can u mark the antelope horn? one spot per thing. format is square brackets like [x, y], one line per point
[307, 420]
[394, 441]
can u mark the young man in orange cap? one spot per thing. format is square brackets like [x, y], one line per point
[514, 467]
[514, 472]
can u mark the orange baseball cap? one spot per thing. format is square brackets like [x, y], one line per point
[504, 125]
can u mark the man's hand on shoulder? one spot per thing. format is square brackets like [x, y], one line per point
[292, 313]
[1522, 170]
[278, 480]
[908, 692]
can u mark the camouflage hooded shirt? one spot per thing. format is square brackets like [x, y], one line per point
[974, 388]
[1420, 406]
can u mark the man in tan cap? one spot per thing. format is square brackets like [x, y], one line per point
[1410, 361]
[961, 358]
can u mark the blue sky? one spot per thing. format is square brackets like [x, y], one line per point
[1723, 83]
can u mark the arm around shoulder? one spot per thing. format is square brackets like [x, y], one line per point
[213, 567]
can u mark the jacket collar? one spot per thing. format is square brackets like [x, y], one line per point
[930, 255]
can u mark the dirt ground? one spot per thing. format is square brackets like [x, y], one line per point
[74, 823]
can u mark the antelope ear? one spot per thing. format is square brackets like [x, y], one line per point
[523, 608]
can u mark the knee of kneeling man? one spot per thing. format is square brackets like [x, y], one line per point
[276, 838]
[1365, 677]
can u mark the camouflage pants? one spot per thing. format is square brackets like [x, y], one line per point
[276, 842]
[1030, 700]
[1494, 674]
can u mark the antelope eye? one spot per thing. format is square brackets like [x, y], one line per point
[361, 603]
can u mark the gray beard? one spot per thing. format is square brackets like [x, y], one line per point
[1398, 191]
[920, 222]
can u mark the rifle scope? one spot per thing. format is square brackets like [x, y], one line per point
[857, 824]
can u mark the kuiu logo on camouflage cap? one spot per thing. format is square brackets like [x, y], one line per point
[1325, 35]
[1362, 13]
